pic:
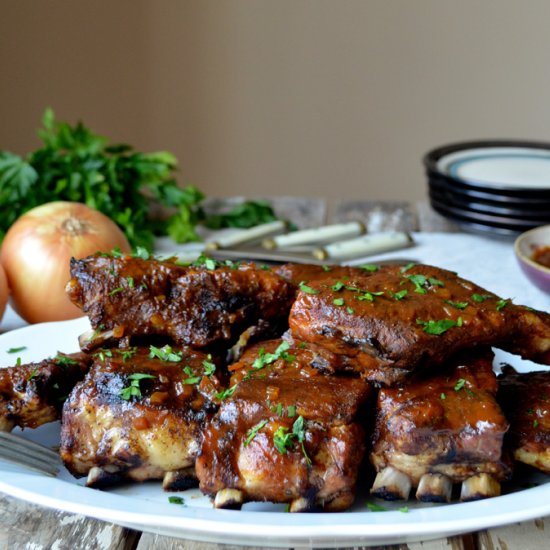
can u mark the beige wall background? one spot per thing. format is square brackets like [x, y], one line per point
[339, 98]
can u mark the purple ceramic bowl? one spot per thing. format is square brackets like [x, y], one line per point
[525, 246]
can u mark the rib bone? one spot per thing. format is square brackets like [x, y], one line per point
[478, 487]
[434, 488]
[229, 498]
[179, 480]
[391, 484]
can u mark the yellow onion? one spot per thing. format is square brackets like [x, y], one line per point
[4, 292]
[37, 249]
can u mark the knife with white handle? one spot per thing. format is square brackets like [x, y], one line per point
[316, 235]
[247, 235]
[365, 245]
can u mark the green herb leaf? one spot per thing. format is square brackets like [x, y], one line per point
[478, 298]
[439, 327]
[373, 507]
[457, 305]
[406, 268]
[176, 500]
[371, 268]
[226, 393]
[166, 353]
[399, 295]
[307, 289]
[16, 350]
[460, 384]
[251, 434]
[338, 301]
[134, 389]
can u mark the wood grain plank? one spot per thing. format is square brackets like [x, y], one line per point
[149, 541]
[527, 535]
[27, 526]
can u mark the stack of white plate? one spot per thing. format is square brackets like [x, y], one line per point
[498, 186]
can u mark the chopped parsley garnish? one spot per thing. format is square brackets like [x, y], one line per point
[478, 298]
[350, 310]
[399, 295]
[134, 389]
[115, 291]
[439, 327]
[307, 289]
[338, 301]
[265, 359]
[337, 286]
[369, 296]
[371, 268]
[535, 423]
[457, 305]
[418, 281]
[251, 434]
[16, 350]
[501, 304]
[326, 268]
[221, 395]
[130, 281]
[176, 500]
[406, 268]
[435, 282]
[127, 353]
[104, 353]
[460, 384]
[403, 509]
[166, 353]
[284, 440]
[33, 374]
[373, 507]
[192, 378]
[443, 396]
[64, 361]
[208, 366]
[18, 362]
[291, 411]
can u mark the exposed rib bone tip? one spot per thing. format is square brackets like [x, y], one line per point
[478, 487]
[434, 488]
[301, 504]
[391, 484]
[180, 480]
[92, 339]
[229, 498]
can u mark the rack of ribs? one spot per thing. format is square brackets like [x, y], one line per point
[525, 399]
[139, 415]
[285, 432]
[33, 394]
[396, 320]
[441, 430]
[124, 296]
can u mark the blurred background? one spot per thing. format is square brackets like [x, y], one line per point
[304, 97]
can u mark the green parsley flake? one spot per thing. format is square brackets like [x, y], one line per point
[478, 298]
[141, 253]
[251, 434]
[439, 327]
[350, 310]
[284, 440]
[419, 281]
[176, 500]
[535, 423]
[501, 304]
[166, 353]
[338, 301]
[192, 378]
[16, 350]
[406, 268]
[399, 295]
[460, 384]
[443, 396]
[134, 389]
[373, 507]
[115, 291]
[291, 411]
[208, 366]
[371, 268]
[32, 374]
[64, 361]
[457, 305]
[226, 393]
[130, 281]
[337, 286]
[307, 289]
[326, 268]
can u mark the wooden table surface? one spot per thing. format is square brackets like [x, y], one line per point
[27, 526]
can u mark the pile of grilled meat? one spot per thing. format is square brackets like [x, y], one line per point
[279, 384]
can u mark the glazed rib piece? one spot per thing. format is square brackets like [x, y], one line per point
[139, 417]
[287, 433]
[125, 296]
[525, 399]
[441, 430]
[396, 320]
[297, 273]
[33, 394]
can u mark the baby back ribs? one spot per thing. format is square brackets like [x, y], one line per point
[33, 394]
[391, 322]
[190, 305]
[285, 433]
[441, 430]
[525, 399]
[139, 414]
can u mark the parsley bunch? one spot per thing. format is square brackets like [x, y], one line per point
[74, 164]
